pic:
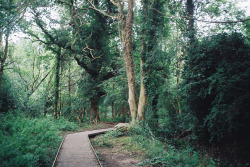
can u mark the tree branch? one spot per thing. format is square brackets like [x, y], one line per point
[33, 90]
[101, 11]
[108, 76]
[83, 65]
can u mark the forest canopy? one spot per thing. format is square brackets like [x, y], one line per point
[178, 68]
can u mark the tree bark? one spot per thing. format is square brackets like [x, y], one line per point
[123, 113]
[154, 107]
[57, 80]
[112, 108]
[112, 103]
[69, 87]
[179, 67]
[143, 92]
[190, 14]
[94, 110]
[191, 35]
[60, 104]
[127, 42]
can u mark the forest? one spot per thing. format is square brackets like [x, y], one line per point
[177, 70]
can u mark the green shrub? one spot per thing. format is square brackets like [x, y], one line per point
[155, 153]
[103, 140]
[30, 141]
[216, 87]
[65, 125]
[115, 119]
[159, 154]
[8, 98]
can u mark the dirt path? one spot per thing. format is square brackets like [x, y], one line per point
[113, 157]
[76, 150]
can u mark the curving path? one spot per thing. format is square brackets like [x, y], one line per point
[76, 150]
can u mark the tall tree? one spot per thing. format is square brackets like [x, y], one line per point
[143, 92]
[57, 82]
[190, 27]
[157, 65]
[11, 13]
[126, 23]
[127, 44]
[94, 41]
[3, 58]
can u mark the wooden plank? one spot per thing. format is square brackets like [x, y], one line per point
[76, 150]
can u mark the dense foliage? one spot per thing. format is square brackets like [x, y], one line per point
[138, 139]
[217, 76]
[8, 100]
[179, 69]
[30, 141]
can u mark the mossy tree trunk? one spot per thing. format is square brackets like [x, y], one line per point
[57, 82]
[94, 110]
[3, 59]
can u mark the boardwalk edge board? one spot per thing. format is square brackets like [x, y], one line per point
[58, 151]
[90, 135]
[93, 135]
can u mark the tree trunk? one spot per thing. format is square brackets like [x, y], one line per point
[119, 112]
[178, 83]
[190, 14]
[84, 112]
[3, 59]
[143, 95]
[112, 103]
[154, 107]
[112, 107]
[179, 67]
[57, 80]
[123, 113]
[94, 110]
[69, 88]
[191, 36]
[115, 111]
[60, 105]
[127, 42]
[46, 106]
[143, 92]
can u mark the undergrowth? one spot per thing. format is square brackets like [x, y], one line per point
[115, 119]
[27, 142]
[154, 152]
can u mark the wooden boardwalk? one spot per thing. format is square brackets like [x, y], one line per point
[76, 150]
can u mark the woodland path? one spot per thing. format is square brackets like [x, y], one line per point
[76, 150]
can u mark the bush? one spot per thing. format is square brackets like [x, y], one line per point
[103, 140]
[216, 87]
[30, 142]
[8, 98]
[158, 154]
[64, 125]
[115, 119]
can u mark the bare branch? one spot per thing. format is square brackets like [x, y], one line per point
[37, 86]
[91, 52]
[7, 64]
